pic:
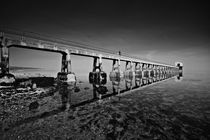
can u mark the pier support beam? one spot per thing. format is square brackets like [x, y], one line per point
[6, 79]
[116, 72]
[128, 73]
[116, 87]
[66, 62]
[4, 57]
[179, 69]
[97, 75]
[128, 65]
[138, 70]
[128, 84]
[97, 64]
[165, 70]
[162, 70]
[145, 70]
[159, 70]
[138, 82]
[151, 70]
[116, 65]
[155, 70]
[66, 75]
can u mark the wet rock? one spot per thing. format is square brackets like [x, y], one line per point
[7, 80]
[22, 90]
[119, 129]
[34, 86]
[102, 90]
[86, 88]
[58, 138]
[71, 117]
[28, 98]
[33, 105]
[77, 89]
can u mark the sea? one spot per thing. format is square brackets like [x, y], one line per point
[137, 108]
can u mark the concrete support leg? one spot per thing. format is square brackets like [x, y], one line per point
[116, 72]
[156, 70]
[138, 72]
[97, 76]
[4, 59]
[152, 70]
[128, 65]
[168, 70]
[145, 70]
[138, 82]
[116, 65]
[128, 70]
[165, 71]
[116, 87]
[128, 84]
[149, 69]
[6, 79]
[66, 62]
[66, 74]
[63, 63]
[97, 64]
[159, 70]
[137, 66]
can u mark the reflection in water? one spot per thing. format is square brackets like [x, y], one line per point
[100, 91]
[116, 84]
[138, 81]
[128, 82]
[65, 91]
[179, 77]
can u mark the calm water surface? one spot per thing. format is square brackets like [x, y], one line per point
[164, 110]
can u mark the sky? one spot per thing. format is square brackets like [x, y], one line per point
[163, 31]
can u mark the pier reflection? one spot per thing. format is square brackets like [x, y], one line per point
[179, 77]
[100, 91]
[65, 91]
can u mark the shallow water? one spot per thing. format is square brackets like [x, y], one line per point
[165, 110]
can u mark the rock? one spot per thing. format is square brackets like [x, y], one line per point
[7, 79]
[33, 105]
[34, 86]
[102, 90]
[77, 89]
[22, 90]
[119, 129]
[86, 88]
[28, 98]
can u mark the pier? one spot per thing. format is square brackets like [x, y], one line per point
[134, 67]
